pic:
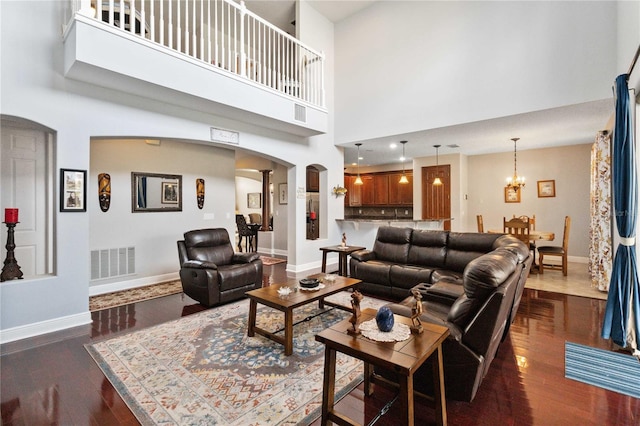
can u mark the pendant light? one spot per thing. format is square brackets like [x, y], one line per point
[515, 182]
[358, 180]
[437, 181]
[403, 178]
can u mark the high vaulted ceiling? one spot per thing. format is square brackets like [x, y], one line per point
[568, 125]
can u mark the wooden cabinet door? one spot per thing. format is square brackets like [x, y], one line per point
[313, 179]
[400, 194]
[367, 190]
[354, 192]
[381, 189]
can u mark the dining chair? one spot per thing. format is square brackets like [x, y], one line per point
[562, 252]
[518, 228]
[480, 223]
[244, 231]
[530, 219]
[255, 218]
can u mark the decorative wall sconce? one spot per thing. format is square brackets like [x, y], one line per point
[104, 191]
[339, 191]
[200, 192]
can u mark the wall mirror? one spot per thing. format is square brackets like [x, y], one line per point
[154, 192]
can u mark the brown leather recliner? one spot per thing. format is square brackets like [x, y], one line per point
[211, 272]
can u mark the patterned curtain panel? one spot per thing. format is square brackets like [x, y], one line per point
[600, 232]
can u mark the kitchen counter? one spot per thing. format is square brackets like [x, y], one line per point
[415, 223]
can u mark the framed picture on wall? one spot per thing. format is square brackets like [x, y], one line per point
[254, 200]
[546, 188]
[511, 195]
[170, 192]
[73, 190]
[282, 193]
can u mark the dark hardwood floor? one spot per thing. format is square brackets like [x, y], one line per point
[53, 380]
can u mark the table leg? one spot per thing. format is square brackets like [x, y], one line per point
[368, 371]
[438, 387]
[329, 384]
[288, 332]
[343, 264]
[253, 307]
[405, 397]
[324, 261]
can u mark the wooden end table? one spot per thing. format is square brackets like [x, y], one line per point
[343, 253]
[404, 358]
[269, 296]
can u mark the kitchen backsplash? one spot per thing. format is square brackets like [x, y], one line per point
[378, 212]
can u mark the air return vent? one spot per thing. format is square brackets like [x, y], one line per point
[301, 113]
[113, 262]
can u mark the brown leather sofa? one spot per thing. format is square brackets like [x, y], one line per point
[470, 282]
[211, 272]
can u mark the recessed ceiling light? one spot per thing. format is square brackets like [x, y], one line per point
[393, 145]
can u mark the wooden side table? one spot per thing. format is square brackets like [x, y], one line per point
[343, 253]
[404, 358]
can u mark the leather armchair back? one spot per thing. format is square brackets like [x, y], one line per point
[209, 245]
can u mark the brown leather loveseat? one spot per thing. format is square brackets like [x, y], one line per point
[470, 283]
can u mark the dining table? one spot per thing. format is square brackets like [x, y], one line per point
[533, 237]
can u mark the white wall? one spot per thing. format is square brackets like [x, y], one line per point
[404, 66]
[154, 234]
[33, 88]
[569, 166]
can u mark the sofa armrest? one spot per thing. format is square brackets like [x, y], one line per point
[363, 255]
[199, 264]
[444, 291]
[245, 257]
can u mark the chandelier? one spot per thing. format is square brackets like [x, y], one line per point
[515, 182]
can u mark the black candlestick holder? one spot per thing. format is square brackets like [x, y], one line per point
[11, 269]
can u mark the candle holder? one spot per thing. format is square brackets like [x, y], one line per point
[11, 269]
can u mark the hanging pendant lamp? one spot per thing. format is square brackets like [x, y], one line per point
[358, 180]
[515, 182]
[403, 178]
[437, 181]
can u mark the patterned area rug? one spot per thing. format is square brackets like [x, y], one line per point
[203, 369]
[606, 369]
[268, 261]
[124, 297]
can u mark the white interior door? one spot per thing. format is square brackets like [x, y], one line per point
[23, 184]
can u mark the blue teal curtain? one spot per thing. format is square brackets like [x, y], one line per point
[623, 305]
[142, 192]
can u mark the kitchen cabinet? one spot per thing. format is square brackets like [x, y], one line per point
[353, 197]
[313, 179]
[400, 194]
[368, 190]
[381, 189]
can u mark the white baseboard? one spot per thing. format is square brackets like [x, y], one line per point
[44, 327]
[96, 290]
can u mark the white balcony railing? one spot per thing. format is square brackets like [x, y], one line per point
[222, 34]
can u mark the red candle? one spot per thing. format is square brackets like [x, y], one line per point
[312, 215]
[11, 215]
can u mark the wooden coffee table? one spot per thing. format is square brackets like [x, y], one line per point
[404, 358]
[269, 296]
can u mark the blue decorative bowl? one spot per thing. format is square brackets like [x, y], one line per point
[384, 319]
